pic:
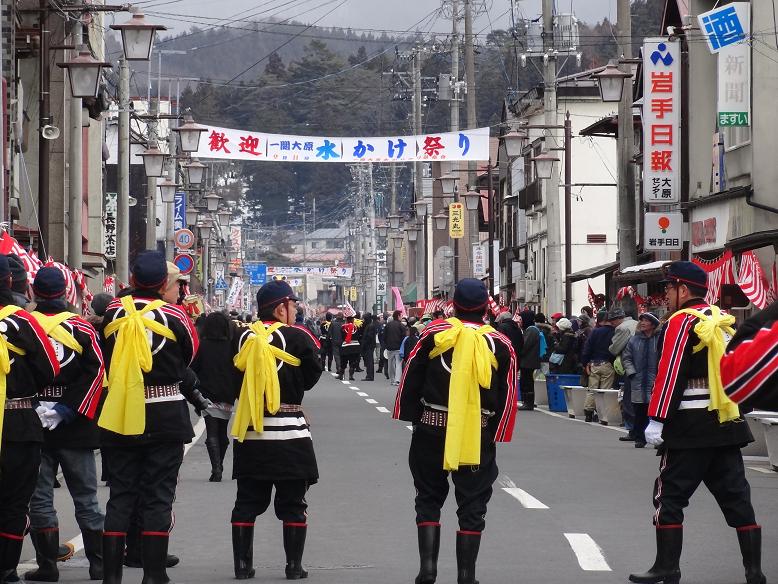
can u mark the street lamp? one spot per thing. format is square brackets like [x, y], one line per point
[84, 73]
[398, 241]
[138, 37]
[382, 230]
[195, 170]
[204, 231]
[472, 198]
[611, 80]
[544, 165]
[191, 215]
[448, 183]
[212, 200]
[421, 209]
[153, 160]
[394, 221]
[167, 190]
[413, 233]
[224, 217]
[189, 133]
[441, 220]
[514, 143]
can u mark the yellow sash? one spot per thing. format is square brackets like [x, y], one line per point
[711, 330]
[124, 411]
[260, 388]
[471, 369]
[52, 325]
[5, 361]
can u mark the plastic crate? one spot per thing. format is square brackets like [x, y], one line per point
[556, 395]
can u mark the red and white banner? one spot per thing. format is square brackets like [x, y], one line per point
[349, 310]
[398, 300]
[720, 271]
[228, 143]
[751, 279]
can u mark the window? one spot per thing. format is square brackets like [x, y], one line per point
[736, 136]
[596, 238]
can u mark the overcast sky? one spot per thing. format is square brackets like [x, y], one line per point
[367, 14]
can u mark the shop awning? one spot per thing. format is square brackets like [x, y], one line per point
[650, 272]
[593, 272]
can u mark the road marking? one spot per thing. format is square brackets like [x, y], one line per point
[762, 469]
[588, 553]
[344, 382]
[371, 401]
[382, 409]
[409, 427]
[352, 387]
[527, 501]
[361, 394]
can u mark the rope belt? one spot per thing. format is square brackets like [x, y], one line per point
[290, 408]
[162, 393]
[52, 392]
[439, 418]
[23, 403]
[699, 383]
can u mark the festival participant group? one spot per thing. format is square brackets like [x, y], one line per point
[122, 377]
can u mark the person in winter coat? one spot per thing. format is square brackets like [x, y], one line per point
[641, 360]
[511, 329]
[409, 342]
[394, 334]
[367, 346]
[529, 360]
[548, 333]
[624, 332]
[335, 334]
[567, 347]
[213, 365]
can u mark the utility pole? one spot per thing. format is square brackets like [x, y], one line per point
[370, 301]
[472, 122]
[44, 119]
[418, 181]
[123, 196]
[455, 105]
[151, 182]
[75, 170]
[626, 146]
[305, 257]
[553, 273]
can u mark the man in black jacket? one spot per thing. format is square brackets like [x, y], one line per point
[33, 366]
[278, 455]
[71, 402]
[335, 335]
[367, 344]
[699, 444]
[145, 449]
[394, 334]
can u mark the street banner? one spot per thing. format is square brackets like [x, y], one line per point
[235, 237]
[109, 230]
[179, 211]
[232, 144]
[661, 120]
[663, 231]
[233, 296]
[329, 271]
[456, 220]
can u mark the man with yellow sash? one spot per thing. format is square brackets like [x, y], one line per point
[696, 427]
[148, 347]
[27, 365]
[68, 407]
[459, 391]
[277, 364]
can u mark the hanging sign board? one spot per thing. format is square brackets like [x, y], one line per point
[227, 143]
[456, 220]
[663, 231]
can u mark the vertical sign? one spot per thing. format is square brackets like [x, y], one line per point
[179, 211]
[661, 117]
[479, 260]
[456, 220]
[110, 225]
[731, 32]
[235, 237]
[353, 294]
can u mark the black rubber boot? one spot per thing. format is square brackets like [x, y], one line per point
[351, 373]
[588, 415]
[294, 544]
[527, 401]
[429, 546]
[132, 558]
[46, 544]
[666, 568]
[154, 555]
[93, 550]
[750, 541]
[113, 558]
[10, 552]
[468, 543]
[216, 465]
[243, 550]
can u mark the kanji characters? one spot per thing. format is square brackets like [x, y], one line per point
[361, 149]
[661, 160]
[723, 28]
[464, 143]
[661, 106]
[326, 151]
[662, 134]
[249, 145]
[432, 145]
[217, 141]
[661, 81]
[399, 148]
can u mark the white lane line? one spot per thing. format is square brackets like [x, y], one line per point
[355, 389]
[352, 387]
[527, 501]
[588, 553]
[361, 394]
[382, 409]
[371, 401]
[344, 382]
[762, 469]
[409, 427]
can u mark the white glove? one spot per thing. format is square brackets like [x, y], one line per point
[53, 419]
[654, 433]
[41, 410]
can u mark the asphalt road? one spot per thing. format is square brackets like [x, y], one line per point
[572, 505]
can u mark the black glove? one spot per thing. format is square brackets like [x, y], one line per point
[199, 401]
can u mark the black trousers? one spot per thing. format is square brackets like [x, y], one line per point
[368, 358]
[145, 475]
[216, 434]
[641, 421]
[527, 386]
[472, 484]
[254, 496]
[349, 361]
[722, 471]
[19, 463]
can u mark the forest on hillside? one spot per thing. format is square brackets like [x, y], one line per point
[340, 83]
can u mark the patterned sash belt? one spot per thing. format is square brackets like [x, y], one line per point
[23, 403]
[162, 393]
[439, 418]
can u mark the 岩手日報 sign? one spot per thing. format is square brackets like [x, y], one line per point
[661, 120]
[663, 231]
